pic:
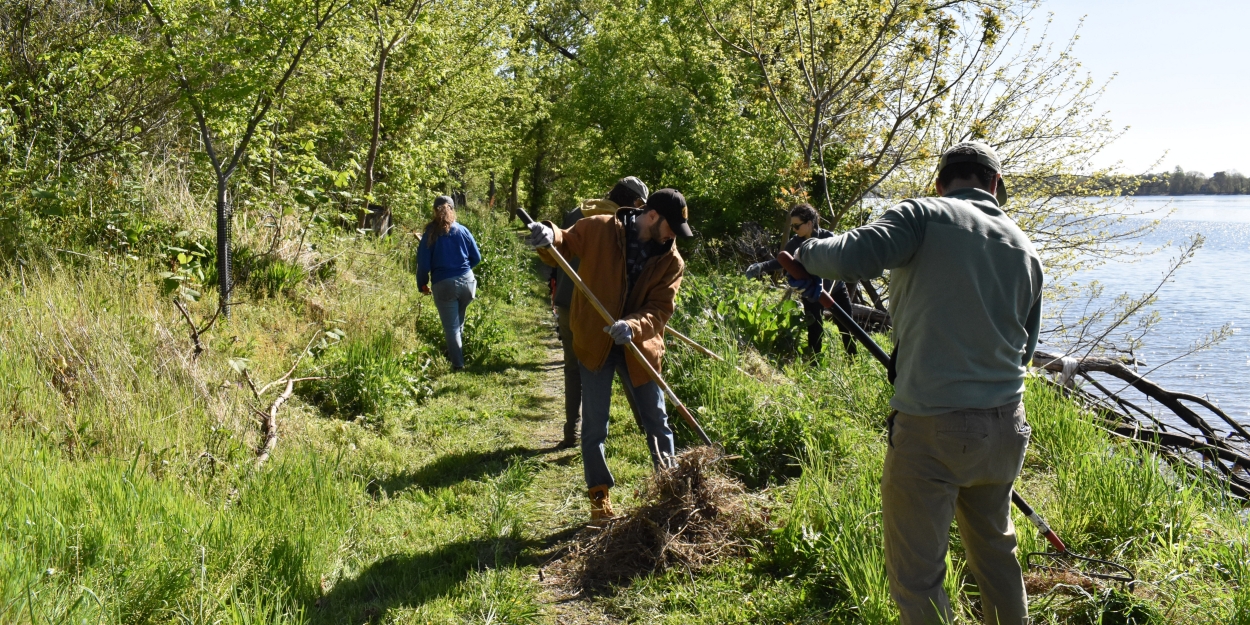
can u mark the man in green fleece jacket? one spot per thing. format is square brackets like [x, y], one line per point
[965, 286]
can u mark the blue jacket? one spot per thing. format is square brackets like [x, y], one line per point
[454, 254]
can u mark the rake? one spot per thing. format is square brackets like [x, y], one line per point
[633, 349]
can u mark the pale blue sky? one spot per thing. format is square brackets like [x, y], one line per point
[1183, 82]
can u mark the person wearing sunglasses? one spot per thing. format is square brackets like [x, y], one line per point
[804, 225]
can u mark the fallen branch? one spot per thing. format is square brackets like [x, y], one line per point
[1205, 451]
[1117, 369]
[196, 333]
[269, 427]
[269, 423]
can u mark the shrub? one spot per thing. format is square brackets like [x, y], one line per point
[367, 375]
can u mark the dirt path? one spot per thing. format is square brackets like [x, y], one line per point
[560, 606]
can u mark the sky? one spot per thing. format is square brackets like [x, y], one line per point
[1182, 78]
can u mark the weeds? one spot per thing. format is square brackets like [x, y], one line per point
[129, 493]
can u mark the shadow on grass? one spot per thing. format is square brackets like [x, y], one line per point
[452, 469]
[412, 580]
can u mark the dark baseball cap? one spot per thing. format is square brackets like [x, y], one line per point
[635, 185]
[671, 205]
[978, 152]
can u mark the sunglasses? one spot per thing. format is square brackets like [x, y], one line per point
[794, 226]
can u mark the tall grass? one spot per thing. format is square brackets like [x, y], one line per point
[105, 540]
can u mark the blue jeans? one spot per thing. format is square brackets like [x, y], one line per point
[596, 402]
[451, 298]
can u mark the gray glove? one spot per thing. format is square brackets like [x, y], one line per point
[540, 236]
[755, 270]
[620, 332]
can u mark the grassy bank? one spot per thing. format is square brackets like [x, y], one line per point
[401, 492]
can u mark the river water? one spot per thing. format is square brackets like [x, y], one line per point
[1209, 291]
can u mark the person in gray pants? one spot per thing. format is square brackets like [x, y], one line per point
[447, 255]
[966, 298]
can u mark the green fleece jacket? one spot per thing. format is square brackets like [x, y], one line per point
[965, 296]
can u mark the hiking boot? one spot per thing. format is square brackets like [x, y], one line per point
[570, 437]
[600, 504]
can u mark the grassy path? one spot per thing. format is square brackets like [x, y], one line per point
[473, 498]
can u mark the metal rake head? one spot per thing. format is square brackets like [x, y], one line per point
[1086, 566]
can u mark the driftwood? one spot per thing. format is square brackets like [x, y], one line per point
[1203, 448]
[871, 319]
[269, 418]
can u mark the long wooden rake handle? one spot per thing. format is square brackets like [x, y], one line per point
[633, 349]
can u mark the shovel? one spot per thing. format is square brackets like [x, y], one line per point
[630, 346]
[1106, 569]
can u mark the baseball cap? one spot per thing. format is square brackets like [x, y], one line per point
[975, 152]
[671, 205]
[635, 185]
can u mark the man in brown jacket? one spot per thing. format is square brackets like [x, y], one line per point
[630, 262]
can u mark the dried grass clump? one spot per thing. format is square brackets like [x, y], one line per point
[692, 515]
[1042, 581]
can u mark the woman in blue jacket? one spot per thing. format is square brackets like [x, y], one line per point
[447, 250]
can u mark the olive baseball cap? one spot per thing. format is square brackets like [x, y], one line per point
[671, 205]
[975, 152]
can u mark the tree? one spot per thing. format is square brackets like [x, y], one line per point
[232, 61]
[856, 79]
[394, 25]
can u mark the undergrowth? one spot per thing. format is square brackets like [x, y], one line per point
[401, 492]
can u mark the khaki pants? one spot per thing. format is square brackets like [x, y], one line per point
[958, 465]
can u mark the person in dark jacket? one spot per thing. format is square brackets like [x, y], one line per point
[446, 256]
[805, 223]
[628, 191]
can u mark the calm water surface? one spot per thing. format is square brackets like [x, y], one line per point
[1211, 290]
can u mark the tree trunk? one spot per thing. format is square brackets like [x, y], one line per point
[512, 195]
[376, 130]
[538, 184]
[224, 280]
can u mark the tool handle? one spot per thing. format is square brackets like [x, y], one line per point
[524, 216]
[633, 349]
[1038, 522]
[705, 351]
[698, 348]
[799, 272]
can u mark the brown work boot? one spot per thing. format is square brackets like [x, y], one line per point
[600, 504]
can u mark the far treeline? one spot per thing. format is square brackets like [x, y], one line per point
[1180, 182]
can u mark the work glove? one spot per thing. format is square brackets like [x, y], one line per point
[540, 236]
[425, 288]
[755, 270]
[810, 287]
[620, 332]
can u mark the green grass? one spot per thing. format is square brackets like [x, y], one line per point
[403, 493]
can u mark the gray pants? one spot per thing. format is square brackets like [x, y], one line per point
[959, 465]
[596, 404]
[573, 379]
[451, 298]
